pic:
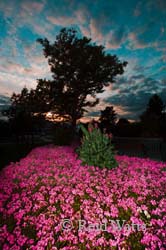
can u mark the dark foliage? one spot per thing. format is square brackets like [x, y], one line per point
[152, 119]
[79, 68]
[108, 119]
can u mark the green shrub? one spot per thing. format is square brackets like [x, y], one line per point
[96, 148]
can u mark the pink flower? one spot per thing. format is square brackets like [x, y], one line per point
[90, 128]
[53, 186]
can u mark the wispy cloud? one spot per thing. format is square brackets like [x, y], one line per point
[95, 32]
[137, 10]
[136, 43]
[61, 21]
[116, 38]
[14, 76]
[32, 7]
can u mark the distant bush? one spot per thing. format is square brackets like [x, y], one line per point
[63, 135]
[5, 129]
[96, 148]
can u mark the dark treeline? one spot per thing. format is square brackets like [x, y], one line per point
[152, 122]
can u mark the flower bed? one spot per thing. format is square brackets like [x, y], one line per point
[42, 192]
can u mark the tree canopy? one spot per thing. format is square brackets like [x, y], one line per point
[152, 118]
[108, 118]
[80, 69]
[154, 108]
[155, 105]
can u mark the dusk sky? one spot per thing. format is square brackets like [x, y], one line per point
[133, 30]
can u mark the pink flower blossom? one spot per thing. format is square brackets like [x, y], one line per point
[50, 185]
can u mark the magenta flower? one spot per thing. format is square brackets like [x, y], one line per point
[50, 185]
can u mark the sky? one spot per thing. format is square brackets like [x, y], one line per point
[133, 30]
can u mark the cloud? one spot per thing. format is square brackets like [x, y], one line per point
[137, 10]
[10, 83]
[88, 26]
[116, 38]
[136, 43]
[119, 109]
[137, 77]
[4, 100]
[148, 35]
[95, 32]
[92, 22]
[134, 94]
[61, 20]
[113, 24]
[32, 7]
[43, 29]
[81, 15]
[84, 30]
[14, 76]
[162, 69]
[4, 103]
[160, 4]
[131, 104]
[25, 14]
[13, 68]
[8, 7]
[95, 111]
[130, 93]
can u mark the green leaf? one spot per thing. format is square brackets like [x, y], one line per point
[84, 130]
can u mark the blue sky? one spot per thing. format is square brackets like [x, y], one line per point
[133, 30]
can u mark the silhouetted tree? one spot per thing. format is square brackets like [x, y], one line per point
[155, 105]
[154, 108]
[152, 118]
[31, 101]
[79, 68]
[126, 128]
[108, 119]
[122, 127]
[21, 114]
[5, 130]
[163, 126]
[123, 121]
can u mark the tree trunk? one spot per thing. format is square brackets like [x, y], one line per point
[74, 120]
